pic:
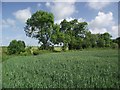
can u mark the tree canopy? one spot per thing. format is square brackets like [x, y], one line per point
[73, 34]
[15, 47]
[40, 26]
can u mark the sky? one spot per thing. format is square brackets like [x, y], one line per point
[101, 17]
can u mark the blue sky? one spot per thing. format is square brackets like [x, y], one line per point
[102, 17]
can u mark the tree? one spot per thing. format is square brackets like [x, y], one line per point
[40, 26]
[118, 41]
[74, 32]
[104, 40]
[101, 42]
[57, 36]
[107, 38]
[21, 46]
[15, 47]
[93, 40]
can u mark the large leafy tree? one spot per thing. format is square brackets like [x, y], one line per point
[74, 32]
[107, 38]
[40, 26]
[104, 40]
[57, 36]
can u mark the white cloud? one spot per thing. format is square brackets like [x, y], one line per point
[8, 22]
[70, 1]
[103, 22]
[23, 15]
[98, 30]
[81, 20]
[62, 9]
[114, 31]
[69, 19]
[58, 21]
[47, 4]
[97, 4]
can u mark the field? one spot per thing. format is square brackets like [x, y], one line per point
[0, 68]
[71, 69]
[0, 54]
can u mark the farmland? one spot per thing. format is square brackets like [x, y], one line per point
[0, 68]
[73, 69]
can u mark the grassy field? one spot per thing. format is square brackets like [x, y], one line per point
[73, 69]
[0, 68]
[0, 54]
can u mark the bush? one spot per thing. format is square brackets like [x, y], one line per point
[35, 52]
[114, 46]
[65, 48]
[28, 50]
[50, 48]
[15, 47]
[57, 49]
[23, 53]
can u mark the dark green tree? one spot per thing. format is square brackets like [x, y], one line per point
[74, 31]
[57, 36]
[107, 38]
[118, 41]
[40, 26]
[21, 46]
[15, 47]
[104, 40]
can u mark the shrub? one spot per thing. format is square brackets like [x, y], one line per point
[24, 53]
[28, 50]
[57, 49]
[114, 45]
[50, 48]
[65, 48]
[15, 47]
[35, 52]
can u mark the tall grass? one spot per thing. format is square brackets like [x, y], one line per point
[74, 69]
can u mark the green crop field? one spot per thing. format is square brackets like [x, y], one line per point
[0, 67]
[71, 69]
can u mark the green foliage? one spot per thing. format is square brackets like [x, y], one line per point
[70, 33]
[28, 50]
[57, 49]
[15, 47]
[73, 33]
[118, 41]
[74, 69]
[24, 53]
[5, 55]
[35, 51]
[114, 46]
[101, 43]
[65, 48]
[104, 40]
[39, 26]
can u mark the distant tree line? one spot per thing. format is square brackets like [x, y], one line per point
[73, 34]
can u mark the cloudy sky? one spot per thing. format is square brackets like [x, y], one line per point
[101, 16]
